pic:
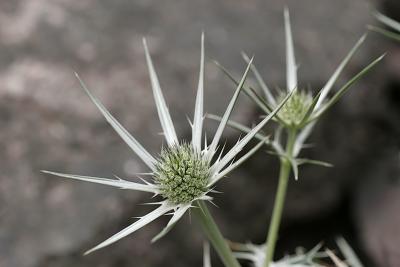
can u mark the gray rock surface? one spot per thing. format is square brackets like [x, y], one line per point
[378, 205]
[47, 122]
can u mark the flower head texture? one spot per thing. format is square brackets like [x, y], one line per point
[183, 172]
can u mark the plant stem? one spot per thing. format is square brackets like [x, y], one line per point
[213, 233]
[284, 173]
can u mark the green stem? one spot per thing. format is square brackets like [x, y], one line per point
[214, 235]
[280, 197]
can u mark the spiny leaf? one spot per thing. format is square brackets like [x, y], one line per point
[267, 92]
[387, 21]
[291, 67]
[198, 111]
[250, 92]
[122, 132]
[346, 87]
[328, 86]
[228, 111]
[393, 35]
[162, 109]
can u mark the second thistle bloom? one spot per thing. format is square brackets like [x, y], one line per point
[303, 109]
[300, 113]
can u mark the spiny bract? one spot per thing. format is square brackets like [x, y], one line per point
[182, 173]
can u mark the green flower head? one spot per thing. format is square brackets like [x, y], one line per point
[182, 173]
[295, 109]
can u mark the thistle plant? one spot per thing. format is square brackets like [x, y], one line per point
[389, 22]
[185, 173]
[296, 121]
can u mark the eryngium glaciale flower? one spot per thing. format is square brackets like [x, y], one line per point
[389, 22]
[183, 172]
[302, 110]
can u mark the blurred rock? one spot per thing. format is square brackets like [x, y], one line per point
[378, 204]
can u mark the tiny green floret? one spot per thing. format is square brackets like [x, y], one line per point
[294, 110]
[182, 173]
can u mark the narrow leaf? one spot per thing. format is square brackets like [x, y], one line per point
[346, 87]
[164, 208]
[162, 109]
[123, 133]
[387, 21]
[250, 92]
[291, 67]
[198, 112]
[175, 218]
[393, 35]
[328, 86]
[268, 95]
[120, 183]
[227, 113]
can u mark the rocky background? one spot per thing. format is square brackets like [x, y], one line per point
[46, 122]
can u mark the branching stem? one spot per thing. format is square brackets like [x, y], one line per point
[284, 173]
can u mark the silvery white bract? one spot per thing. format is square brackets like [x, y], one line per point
[302, 110]
[183, 173]
[314, 258]
[391, 23]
